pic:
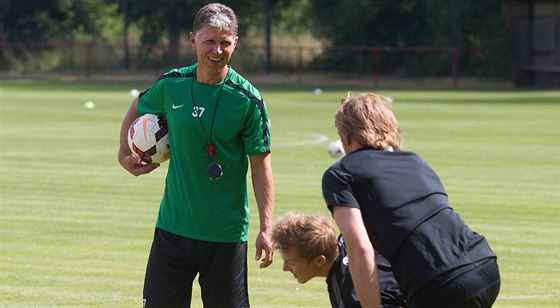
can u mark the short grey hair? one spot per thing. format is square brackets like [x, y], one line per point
[216, 15]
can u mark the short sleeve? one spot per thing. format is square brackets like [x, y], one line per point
[152, 100]
[337, 188]
[256, 131]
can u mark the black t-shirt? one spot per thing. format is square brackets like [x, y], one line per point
[341, 289]
[406, 213]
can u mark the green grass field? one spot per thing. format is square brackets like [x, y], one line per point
[76, 228]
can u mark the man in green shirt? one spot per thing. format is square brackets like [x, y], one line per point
[218, 126]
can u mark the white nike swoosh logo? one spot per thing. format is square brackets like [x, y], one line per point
[177, 106]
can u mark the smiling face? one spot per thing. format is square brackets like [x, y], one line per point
[302, 270]
[214, 48]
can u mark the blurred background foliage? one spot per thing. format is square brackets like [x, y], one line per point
[52, 35]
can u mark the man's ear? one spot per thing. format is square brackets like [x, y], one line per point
[192, 39]
[321, 260]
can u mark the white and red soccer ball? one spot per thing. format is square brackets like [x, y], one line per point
[148, 138]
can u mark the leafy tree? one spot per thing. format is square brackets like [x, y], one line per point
[30, 24]
[169, 21]
[36, 21]
[405, 23]
[339, 23]
[482, 24]
[372, 23]
[163, 19]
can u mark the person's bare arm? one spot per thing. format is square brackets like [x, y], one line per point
[132, 164]
[263, 187]
[361, 256]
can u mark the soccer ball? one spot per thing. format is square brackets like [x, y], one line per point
[148, 138]
[335, 148]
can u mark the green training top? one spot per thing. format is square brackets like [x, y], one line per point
[233, 116]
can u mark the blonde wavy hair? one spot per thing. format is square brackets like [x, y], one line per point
[367, 118]
[310, 235]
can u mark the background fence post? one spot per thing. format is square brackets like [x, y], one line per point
[455, 67]
[299, 51]
[89, 47]
[376, 60]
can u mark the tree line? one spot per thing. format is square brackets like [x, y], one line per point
[473, 24]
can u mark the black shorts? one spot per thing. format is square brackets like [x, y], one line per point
[175, 261]
[477, 287]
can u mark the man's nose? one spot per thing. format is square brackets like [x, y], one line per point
[218, 49]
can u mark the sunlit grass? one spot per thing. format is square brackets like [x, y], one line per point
[76, 228]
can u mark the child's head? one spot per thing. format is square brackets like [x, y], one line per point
[307, 243]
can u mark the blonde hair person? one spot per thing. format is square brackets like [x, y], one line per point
[367, 118]
[309, 247]
[311, 236]
[390, 201]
